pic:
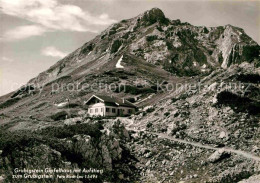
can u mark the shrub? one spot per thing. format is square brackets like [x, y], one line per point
[251, 52]
[62, 79]
[24, 89]
[103, 36]
[73, 105]
[9, 102]
[155, 87]
[249, 78]
[115, 46]
[159, 28]
[151, 109]
[88, 48]
[149, 125]
[10, 141]
[111, 32]
[238, 103]
[124, 21]
[69, 131]
[169, 45]
[151, 38]
[183, 96]
[123, 77]
[134, 90]
[167, 114]
[174, 100]
[59, 116]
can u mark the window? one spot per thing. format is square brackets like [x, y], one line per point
[90, 111]
[101, 109]
[129, 111]
[113, 110]
[107, 110]
[96, 110]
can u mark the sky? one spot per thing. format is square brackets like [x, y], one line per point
[35, 34]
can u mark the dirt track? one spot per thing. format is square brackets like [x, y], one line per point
[196, 144]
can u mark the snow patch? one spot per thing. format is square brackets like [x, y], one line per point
[118, 64]
[63, 104]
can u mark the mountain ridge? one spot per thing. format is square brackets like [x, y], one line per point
[180, 48]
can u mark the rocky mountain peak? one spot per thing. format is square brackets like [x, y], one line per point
[153, 15]
[179, 48]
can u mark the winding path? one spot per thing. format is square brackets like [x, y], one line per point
[227, 149]
[196, 144]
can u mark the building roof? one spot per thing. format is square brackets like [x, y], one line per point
[112, 100]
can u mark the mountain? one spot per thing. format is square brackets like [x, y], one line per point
[177, 47]
[151, 48]
[197, 89]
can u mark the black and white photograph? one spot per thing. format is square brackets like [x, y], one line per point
[129, 91]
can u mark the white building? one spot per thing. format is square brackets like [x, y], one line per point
[109, 106]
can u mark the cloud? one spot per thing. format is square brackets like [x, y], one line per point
[6, 59]
[53, 16]
[22, 32]
[53, 52]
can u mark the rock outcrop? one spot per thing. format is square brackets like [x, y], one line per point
[100, 150]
